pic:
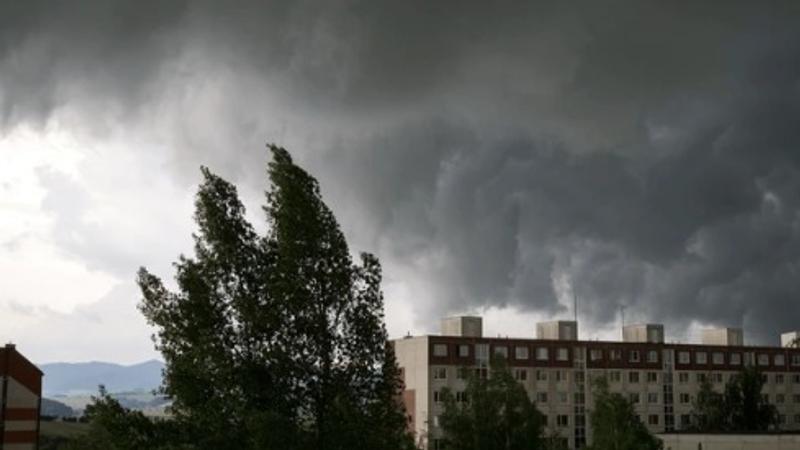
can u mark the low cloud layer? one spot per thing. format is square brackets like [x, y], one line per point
[493, 156]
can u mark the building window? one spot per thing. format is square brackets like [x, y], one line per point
[701, 377]
[461, 397]
[652, 419]
[438, 397]
[797, 418]
[542, 354]
[578, 377]
[684, 398]
[562, 354]
[796, 398]
[541, 375]
[796, 360]
[735, 359]
[652, 377]
[463, 351]
[779, 379]
[796, 379]
[718, 358]
[520, 374]
[779, 360]
[780, 398]
[596, 354]
[521, 352]
[634, 397]
[563, 397]
[461, 373]
[683, 357]
[580, 398]
[615, 376]
[652, 356]
[541, 397]
[560, 375]
[652, 397]
[615, 354]
[716, 377]
[700, 358]
[781, 419]
[633, 356]
[482, 354]
[633, 377]
[501, 350]
[683, 377]
[436, 421]
[482, 373]
[562, 420]
[763, 359]
[686, 420]
[440, 350]
[440, 373]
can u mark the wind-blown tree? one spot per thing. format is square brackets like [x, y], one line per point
[276, 341]
[709, 412]
[740, 408]
[497, 414]
[615, 424]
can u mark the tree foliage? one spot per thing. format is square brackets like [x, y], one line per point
[113, 427]
[276, 341]
[615, 424]
[497, 414]
[740, 408]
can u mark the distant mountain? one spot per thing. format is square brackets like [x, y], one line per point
[84, 378]
[54, 408]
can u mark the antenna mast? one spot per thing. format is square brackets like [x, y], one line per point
[622, 318]
[575, 311]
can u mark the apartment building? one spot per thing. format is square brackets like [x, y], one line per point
[20, 401]
[660, 378]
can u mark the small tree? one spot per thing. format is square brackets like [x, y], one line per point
[615, 424]
[740, 408]
[494, 413]
[709, 412]
[747, 408]
[114, 427]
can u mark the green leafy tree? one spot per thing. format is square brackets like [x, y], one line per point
[113, 427]
[497, 414]
[615, 424]
[709, 411]
[740, 408]
[276, 341]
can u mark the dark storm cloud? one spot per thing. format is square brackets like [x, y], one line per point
[641, 153]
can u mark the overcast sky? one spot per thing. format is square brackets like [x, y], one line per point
[499, 158]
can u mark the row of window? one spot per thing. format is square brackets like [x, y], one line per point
[634, 356]
[615, 376]
[735, 358]
[441, 373]
[520, 352]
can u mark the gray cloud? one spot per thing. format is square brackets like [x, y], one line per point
[648, 153]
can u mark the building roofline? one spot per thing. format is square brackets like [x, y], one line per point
[612, 343]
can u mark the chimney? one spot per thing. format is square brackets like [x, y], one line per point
[724, 336]
[652, 333]
[789, 339]
[560, 330]
[466, 326]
